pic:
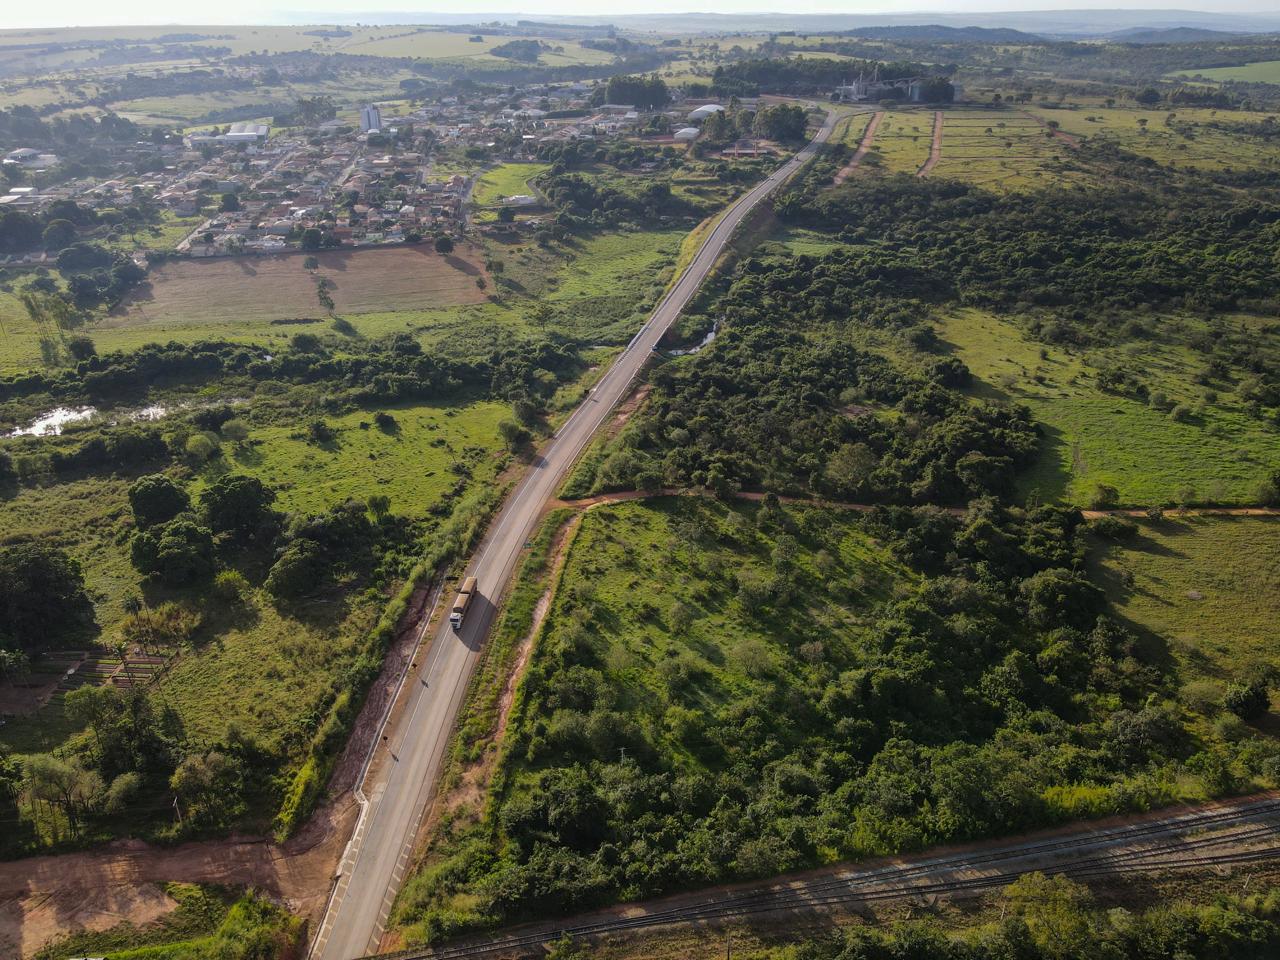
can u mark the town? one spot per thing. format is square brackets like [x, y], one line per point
[389, 175]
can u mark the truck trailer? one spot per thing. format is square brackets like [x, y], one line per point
[462, 602]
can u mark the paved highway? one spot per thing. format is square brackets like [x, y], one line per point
[378, 855]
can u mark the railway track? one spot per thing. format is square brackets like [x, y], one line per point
[1243, 833]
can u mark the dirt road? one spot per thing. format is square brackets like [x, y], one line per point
[868, 137]
[935, 150]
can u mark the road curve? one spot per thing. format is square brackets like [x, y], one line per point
[378, 855]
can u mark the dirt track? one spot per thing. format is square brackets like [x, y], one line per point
[935, 150]
[867, 139]
[1136, 512]
[1069, 139]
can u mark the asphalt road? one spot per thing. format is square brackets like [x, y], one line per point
[379, 854]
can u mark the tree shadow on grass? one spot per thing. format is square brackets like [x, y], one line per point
[247, 456]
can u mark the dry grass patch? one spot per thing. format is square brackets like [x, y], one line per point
[235, 290]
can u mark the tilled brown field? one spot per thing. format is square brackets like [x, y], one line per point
[264, 288]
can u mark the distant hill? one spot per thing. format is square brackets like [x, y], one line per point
[1074, 23]
[937, 33]
[1174, 35]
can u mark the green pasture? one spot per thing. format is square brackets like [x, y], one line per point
[1092, 437]
[1266, 71]
[1211, 587]
[506, 180]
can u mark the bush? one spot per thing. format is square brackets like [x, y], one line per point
[42, 596]
[1105, 497]
[1249, 700]
[230, 586]
[176, 553]
[200, 448]
[299, 571]
[1114, 528]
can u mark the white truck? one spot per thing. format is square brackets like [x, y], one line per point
[462, 602]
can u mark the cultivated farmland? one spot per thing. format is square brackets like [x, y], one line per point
[235, 291]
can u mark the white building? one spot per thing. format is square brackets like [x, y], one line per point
[685, 134]
[704, 111]
[244, 132]
[30, 157]
[370, 119]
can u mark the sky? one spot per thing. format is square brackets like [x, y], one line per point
[52, 13]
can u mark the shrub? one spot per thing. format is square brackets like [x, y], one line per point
[230, 586]
[1105, 497]
[1114, 528]
[200, 448]
[1249, 700]
[176, 553]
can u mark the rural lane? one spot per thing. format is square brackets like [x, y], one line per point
[382, 845]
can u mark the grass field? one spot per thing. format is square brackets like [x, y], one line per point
[1266, 71]
[995, 149]
[457, 46]
[1093, 437]
[410, 465]
[998, 151]
[504, 180]
[600, 287]
[1211, 587]
[263, 670]
[1145, 133]
[903, 140]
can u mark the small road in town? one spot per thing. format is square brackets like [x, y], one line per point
[396, 795]
[1219, 837]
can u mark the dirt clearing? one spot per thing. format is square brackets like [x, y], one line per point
[232, 290]
[42, 898]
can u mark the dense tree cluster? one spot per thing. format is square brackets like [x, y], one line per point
[587, 199]
[43, 603]
[645, 93]
[385, 371]
[1120, 247]
[770, 407]
[523, 51]
[747, 78]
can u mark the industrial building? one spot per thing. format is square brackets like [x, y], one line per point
[704, 111]
[370, 119]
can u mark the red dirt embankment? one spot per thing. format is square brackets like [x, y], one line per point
[42, 898]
